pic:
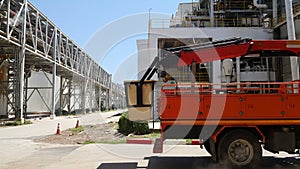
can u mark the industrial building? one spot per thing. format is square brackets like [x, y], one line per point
[44, 72]
[210, 20]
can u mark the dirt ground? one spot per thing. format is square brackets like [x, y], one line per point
[100, 133]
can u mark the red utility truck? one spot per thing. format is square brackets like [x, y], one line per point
[232, 120]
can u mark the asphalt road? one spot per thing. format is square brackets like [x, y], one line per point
[19, 151]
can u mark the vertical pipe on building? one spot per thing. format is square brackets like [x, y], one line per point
[238, 70]
[275, 11]
[290, 20]
[291, 36]
[22, 65]
[211, 14]
[52, 116]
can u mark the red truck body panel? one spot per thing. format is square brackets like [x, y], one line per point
[200, 103]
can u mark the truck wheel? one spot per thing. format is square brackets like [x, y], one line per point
[240, 149]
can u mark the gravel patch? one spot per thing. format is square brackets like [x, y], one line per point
[100, 133]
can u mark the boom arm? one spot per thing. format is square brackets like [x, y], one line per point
[235, 47]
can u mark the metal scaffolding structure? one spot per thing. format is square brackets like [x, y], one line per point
[29, 42]
[117, 95]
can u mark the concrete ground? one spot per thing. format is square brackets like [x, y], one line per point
[19, 151]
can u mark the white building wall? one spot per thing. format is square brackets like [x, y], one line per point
[36, 103]
[184, 9]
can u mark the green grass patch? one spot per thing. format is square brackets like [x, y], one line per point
[105, 142]
[18, 123]
[189, 141]
[89, 142]
[150, 135]
[76, 130]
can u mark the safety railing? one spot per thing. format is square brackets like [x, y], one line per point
[282, 18]
[232, 5]
[206, 22]
[187, 77]
[231, 88]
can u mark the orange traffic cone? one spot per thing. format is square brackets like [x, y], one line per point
[77, 124]
[58, 130]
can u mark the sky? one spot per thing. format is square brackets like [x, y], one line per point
[107, 29]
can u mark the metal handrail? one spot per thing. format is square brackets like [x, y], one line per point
[206, 22]
[232, 88]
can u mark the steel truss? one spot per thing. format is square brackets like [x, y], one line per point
[118, 99]
[30, 41]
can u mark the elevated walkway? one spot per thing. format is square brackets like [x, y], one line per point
[29, 41]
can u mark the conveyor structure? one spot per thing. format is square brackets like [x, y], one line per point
[29, 42]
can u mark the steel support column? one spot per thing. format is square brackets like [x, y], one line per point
[99, 96]
[61, 91]
[21, 65]
[83, 94]
[107, 99]
[69, 96]
[52, 116]
[26, 95]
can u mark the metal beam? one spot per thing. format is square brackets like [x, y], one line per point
[21, 65]
[52, 116]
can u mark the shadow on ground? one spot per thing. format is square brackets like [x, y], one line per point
[200, 163]
[118, 166]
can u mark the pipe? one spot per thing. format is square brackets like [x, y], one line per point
[238, 71]
[291, 36]
[275, 11]
[260, 6]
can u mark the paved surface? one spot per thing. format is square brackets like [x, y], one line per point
[100, 118]
[19, 151]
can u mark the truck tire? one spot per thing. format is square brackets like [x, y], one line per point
[240, 149]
